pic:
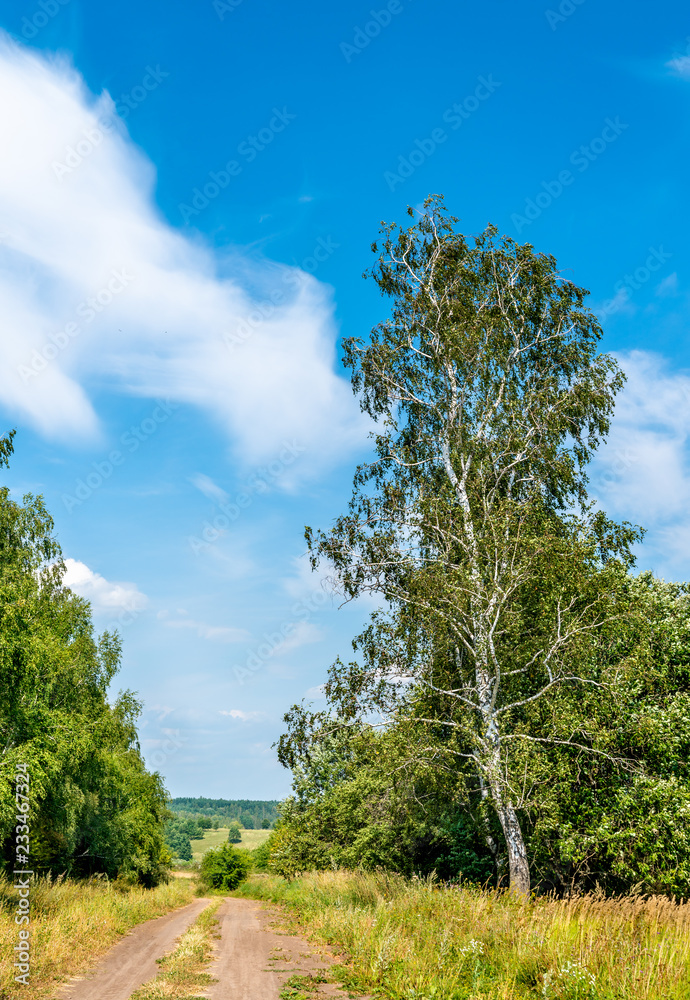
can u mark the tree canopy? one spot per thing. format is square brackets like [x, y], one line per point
[94, 806]
[506, 599]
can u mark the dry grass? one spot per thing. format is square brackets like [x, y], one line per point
[182, 972]
[73, 924]
[423, 941]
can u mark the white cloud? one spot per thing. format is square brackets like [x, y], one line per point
[315, 693]
[619, 303]
[642, 474]
[306, 582]
[236, 713]
[680, 66]
[158, 328]
[104, 595]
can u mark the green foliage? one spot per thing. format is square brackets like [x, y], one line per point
[472, 524]
[607, 801]
[234, 832]
[178, 841]
[94, 807]
[224, 867]
[261, 855]
[369, 799]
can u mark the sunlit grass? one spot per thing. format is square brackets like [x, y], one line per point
[214, 838]
[416, 939]
[73, 923]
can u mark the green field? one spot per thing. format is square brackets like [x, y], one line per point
[214, 838]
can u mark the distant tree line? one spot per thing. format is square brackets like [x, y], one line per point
[252, 814]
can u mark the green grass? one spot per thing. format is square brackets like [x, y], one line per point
[73, 923]
[415, 939]
[302, 987]
[214, 838]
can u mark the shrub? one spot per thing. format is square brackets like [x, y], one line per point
[261, 855]
[225, 867]
[234, 832]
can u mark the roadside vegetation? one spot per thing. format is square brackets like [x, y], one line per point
[414, 938]
[92, 804]
[517, 712]
[494, 801]
[223, 868]
[75, 922]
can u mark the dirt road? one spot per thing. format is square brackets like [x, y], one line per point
[254, 961]
[132, 961]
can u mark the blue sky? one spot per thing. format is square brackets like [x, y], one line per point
[188, 193]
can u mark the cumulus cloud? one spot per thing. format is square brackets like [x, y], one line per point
[104, 595]
[642, 474]
[97, 285]
[315, 693]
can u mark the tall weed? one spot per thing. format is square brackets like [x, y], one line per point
[418, 939]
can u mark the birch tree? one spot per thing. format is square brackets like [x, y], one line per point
[472, 523]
